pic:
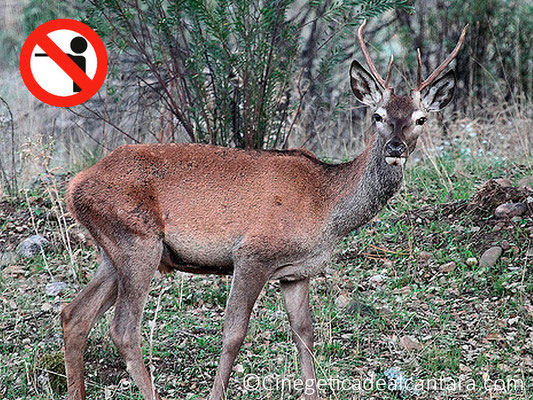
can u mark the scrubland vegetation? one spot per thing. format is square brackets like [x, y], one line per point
[413, 290]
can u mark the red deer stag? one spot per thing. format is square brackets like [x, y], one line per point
[257, 215]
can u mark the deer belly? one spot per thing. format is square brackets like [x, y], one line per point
[182, 250]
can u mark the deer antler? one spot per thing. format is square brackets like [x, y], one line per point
[387, 81]
[440, 68]
[369, 62]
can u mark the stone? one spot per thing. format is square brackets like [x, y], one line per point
[377, 279]
[342, 301]
[526, 183]
[32, 246]
[505, 245]
[397, 381]
[7, 258]
[425, 255]
[55, 288]
[506, 183]
[448, 267]
[471, 261]
[358, 306]
[410, 343]
[490, 257]
[510, 210]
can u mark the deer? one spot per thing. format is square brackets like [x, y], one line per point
[257, 215]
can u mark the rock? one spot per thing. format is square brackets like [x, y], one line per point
[471, 261]
[7, 258]
[506, 183]
[342, 301]
[32, 246]
[358, 306]
[505, 245]
[425, 255]
[377, 279]
[399, 383]
[489, 257]
[526, 183]
[410, 343]
[55, 288]
[448, 267]
[278, 314]
[510, 210]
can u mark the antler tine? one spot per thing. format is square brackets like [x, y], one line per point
[387, 81]
[419, 71]
[444, 64]
[367, 56]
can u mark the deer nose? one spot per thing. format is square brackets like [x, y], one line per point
[395, 148]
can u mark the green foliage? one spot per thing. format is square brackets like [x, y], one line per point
[226, 70]
[19, 25]
[38, 12]
[496, 61]
[53, 365]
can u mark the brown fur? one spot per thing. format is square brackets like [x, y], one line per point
[195, 194]
[400, 107]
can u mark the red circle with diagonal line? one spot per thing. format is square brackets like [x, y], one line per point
[39, 37]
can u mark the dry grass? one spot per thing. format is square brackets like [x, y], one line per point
[472, 324]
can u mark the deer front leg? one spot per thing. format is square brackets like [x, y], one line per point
[296, 298]
[245, 288]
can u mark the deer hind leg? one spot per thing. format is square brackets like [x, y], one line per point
[80, 316]
[296, 299]
[136, 264]
[245, 288]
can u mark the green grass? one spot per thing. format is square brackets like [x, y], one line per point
[465, 319]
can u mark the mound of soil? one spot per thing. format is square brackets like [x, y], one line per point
[479, 212]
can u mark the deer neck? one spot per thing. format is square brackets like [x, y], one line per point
[361, 188]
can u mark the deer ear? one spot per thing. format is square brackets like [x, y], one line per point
[439, 94]
[364, 86]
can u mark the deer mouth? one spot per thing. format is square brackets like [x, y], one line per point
[396, 161]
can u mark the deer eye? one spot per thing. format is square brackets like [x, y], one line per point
[378, 117]
[421, 120]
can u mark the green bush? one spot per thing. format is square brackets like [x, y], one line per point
[230, 72]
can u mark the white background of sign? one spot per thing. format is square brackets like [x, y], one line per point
[49, 75]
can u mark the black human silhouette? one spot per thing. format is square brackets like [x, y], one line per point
[78, 45]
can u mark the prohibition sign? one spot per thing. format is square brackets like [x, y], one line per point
[40, 37]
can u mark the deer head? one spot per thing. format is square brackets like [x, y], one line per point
[399, 119]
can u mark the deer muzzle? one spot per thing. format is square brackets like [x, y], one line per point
[395, 152]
